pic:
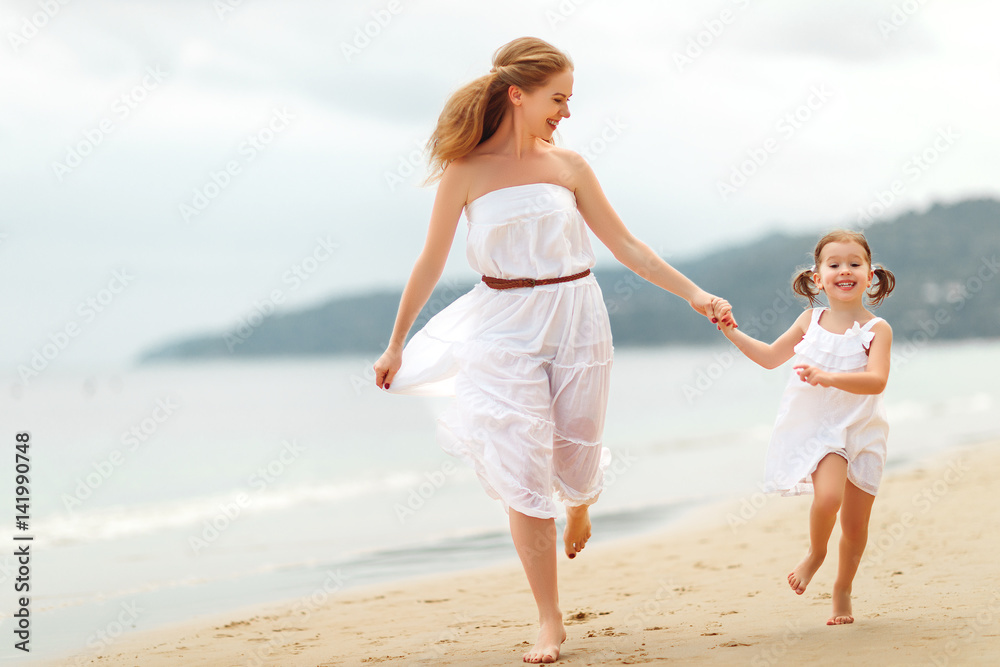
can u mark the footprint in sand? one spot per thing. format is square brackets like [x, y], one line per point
[381, 658]
[583, 616]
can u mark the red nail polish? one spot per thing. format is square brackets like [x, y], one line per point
[714, 320]
[572, 555]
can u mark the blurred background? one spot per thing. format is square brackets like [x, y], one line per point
[187, 185]
[117, 115]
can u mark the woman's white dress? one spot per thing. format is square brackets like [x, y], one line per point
[814, 421]
[529, 367]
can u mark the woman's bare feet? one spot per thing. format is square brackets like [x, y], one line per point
[550, 639]
[841, 607]
[577, 529]
[803, 573]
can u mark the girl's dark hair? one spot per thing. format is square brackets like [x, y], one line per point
[803, 284]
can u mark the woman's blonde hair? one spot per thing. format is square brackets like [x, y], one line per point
[802, 281]
[474, 112]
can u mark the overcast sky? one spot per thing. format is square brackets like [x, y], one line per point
[167, 166]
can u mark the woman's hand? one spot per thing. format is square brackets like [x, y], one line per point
[387, 366]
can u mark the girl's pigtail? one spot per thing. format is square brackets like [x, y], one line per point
[885, 282]
[803, 285]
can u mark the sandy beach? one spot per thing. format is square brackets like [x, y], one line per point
[711, 590]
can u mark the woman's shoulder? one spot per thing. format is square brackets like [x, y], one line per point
[456, 181]
[575, 172]
[567, 156]
[467, 162]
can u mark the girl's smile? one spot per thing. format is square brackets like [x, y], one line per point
[844, 271]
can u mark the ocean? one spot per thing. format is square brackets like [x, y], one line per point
[163, 492]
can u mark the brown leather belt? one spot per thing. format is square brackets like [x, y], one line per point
[505, 283]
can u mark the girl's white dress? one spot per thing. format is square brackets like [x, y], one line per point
[529, 367]
[814, 421]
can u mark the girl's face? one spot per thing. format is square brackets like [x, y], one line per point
[843, 271]
[543, 108]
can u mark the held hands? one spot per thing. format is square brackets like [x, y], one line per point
[714, 308]
[387, 366]
[813, 375]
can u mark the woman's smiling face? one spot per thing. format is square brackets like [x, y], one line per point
[544, 107]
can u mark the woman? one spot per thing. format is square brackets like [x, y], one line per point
[527, 352]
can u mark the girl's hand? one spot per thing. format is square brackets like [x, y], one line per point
[706, 304]
[723, 314]
[387, 366]
[813, 375]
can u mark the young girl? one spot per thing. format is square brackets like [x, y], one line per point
[527, 352]
[830, 435]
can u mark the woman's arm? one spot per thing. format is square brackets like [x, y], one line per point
[627, 249]
[778, 352]
[872, 380]
[427, 270]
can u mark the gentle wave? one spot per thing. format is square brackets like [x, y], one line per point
[109, 523]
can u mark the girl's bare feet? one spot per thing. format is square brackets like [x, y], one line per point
[841, 607]
[550, 639]
[803, 573]
[577, 529]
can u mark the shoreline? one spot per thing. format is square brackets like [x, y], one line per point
[708, 589]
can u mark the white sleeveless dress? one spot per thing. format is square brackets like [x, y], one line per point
[815, 421]
[529, 367]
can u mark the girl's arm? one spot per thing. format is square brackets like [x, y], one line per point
[778, 352]
[448, 204]
[872, 380]
[627, 249]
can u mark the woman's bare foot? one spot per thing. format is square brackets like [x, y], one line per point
[803, 573]
[577, 529]
[550, 639]
[841, 607]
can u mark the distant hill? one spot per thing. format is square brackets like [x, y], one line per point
[945, 262]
